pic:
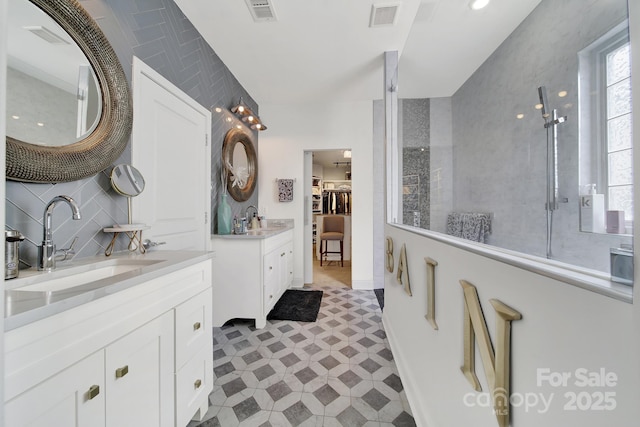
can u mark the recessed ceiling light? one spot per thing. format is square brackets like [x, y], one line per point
[478, 4]
[562, 93]
[40, 124]
[520, 116]
[14, 117]
[538, 106]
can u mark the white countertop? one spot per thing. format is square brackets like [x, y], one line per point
[24, 307]
[274, 228]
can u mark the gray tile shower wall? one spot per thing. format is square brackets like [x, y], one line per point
[415, 138]
[500, 162]
[158, 33]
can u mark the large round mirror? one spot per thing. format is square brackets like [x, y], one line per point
[71, 119]
[241, 163]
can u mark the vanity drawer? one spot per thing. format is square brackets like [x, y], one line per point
[194, 382]
[193, 326]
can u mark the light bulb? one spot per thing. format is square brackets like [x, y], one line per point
[478, 4]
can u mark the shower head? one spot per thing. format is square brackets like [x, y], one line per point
[542, 93]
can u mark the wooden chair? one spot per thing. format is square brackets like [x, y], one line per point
[332, 229]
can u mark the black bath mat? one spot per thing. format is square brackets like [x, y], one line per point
[298, 305]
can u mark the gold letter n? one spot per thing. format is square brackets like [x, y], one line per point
[496, 365]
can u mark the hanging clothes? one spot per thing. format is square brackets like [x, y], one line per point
[336, 202]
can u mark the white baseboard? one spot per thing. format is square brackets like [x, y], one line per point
[408, 383]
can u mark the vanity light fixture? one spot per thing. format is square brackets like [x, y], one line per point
[478, 4]
[248, 116]
[346, 154]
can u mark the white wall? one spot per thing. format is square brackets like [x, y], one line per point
[296, 129]
[3, 76]
[563, 328]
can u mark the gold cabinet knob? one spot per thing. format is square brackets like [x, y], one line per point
[94, 390]
[196, 326]
[121, 372]
[197, 384]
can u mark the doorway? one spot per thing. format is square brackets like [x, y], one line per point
[329, 195]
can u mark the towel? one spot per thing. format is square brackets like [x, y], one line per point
[285, 190]
[469, 225]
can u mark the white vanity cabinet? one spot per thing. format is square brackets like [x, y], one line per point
[194, 357]
[73, 397]
[141, 356]
[139, 376]
[250, 275]
[277, 273]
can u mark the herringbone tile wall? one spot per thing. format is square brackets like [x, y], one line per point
[158, 33]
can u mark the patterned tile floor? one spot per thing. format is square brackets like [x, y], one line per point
[337, 371]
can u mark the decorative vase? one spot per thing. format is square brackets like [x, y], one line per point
[224, 215]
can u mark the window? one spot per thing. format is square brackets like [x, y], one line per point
[619, 148]
[606, 129]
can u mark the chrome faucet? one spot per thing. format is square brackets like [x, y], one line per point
[47, 252]
[246, 214]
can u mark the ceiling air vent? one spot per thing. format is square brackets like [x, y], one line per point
[46, 34]
[261, 10]
[384, 14]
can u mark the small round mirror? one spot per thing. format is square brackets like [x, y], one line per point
[127, 180]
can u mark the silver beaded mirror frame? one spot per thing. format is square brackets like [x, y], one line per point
[33, 163]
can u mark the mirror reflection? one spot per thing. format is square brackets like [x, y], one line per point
[52, 94]
[127, 180]
[533, 153]
[239, 166]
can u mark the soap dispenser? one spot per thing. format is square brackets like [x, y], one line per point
[254, 222]
[592, 212]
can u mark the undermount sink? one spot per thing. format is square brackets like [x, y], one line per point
[72, 277]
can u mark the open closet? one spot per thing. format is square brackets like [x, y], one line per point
[332, 198]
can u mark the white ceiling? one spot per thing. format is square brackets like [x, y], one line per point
[327, 158]
[324, 50]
